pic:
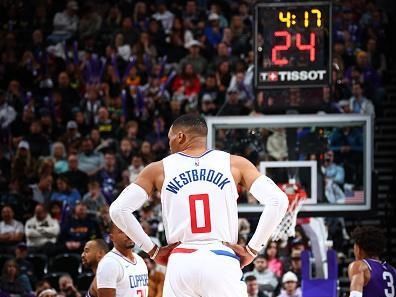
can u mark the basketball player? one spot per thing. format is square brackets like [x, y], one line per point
[199, 207]
[368, 275]
[94, 251]
[121, 272]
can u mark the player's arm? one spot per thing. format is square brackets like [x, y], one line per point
[108, 273]
[106, 292]
[130, 200]
[267, 193]
[356, 274]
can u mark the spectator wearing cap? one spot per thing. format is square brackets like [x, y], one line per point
[78, 178]
[7, 114]
[41, 231]
[253, 287]
[233, 106]
[23, 165]
[89, 161]
[72, 136]
[208, 107]
[65, 23]
[38, 142]
[58, 154]
[194, 57]
[164, 16]
[65, 193]
[266, 279]
[213, 31]
[11, 230]
[25, 267]
[290, 286]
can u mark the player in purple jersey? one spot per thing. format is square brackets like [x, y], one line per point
[369, 276]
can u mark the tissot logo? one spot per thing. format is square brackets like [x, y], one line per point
[274, 76]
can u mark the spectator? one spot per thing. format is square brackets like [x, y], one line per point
[277, 145]
[146, 152]
[67, 287]
[25, 267]
[233, 106]
[124, 156]
[108, 177]
[12, 282]
[213, 32]
[105, 124]
[266, 279]
[5, 170]
[65, 193]
[274, 263]
[90, 23]
[71, 137]
[186, 86]
[295, 263]
[135, 168]
[360, 104]
[89, 161]
[194, 57]
[78, 230]
[58, 153]
[66, 91]
[38, 142]
[7, 114]
[11, 230]
[78, 179]
[290, 283]
[41, 231]
[41, 192]
[334, 179]
[43, 286]
[164, 16]
[253, 287]
[94, 199]
[65, 23]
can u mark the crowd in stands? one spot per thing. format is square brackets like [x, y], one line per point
[88, 90]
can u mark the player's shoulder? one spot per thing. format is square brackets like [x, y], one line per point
[358, 266]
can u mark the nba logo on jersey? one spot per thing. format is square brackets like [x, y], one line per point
[196, 162]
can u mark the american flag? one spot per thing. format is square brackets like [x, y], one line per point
[354, 197]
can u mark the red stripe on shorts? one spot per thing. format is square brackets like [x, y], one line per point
[182, 251]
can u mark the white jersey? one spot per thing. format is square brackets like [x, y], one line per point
[118, 272]
[199, 198]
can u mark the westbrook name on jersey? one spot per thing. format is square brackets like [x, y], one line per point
[209, 175]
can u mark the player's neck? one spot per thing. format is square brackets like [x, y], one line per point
[196, 147]
[127, 253]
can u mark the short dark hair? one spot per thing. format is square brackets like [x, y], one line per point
[370, 239]
[102, 245]
[250, 278]
[193, 123]
[261, 256]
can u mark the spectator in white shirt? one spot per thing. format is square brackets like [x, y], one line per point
[360, 104]
[41, 230]
[290, 286]
[65, 23]
[11, 231]
[164, 16]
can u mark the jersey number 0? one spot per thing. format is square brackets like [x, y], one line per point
[199, 205]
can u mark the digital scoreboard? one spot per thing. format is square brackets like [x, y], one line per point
[292, 43]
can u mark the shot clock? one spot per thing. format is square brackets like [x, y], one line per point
[292, 44]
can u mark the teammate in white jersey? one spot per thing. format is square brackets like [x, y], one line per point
[121, 272]
[199, 206]
[94, 251]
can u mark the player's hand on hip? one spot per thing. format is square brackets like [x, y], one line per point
[245, 257]
[164, 253]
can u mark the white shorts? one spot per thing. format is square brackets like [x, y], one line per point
[210, 270]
